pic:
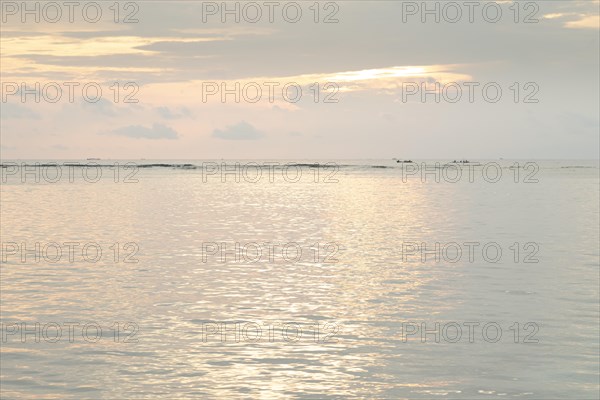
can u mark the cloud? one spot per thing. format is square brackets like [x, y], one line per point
[576, 20]
[241, 131]
[585, 22]
[98, 46]
[387, 116]
[166, 113]
[329, 84]
[43, 54]
[554, 15]
[14, 111]
[157, 131]
[102, 106]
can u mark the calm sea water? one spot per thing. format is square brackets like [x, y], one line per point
[326, 293]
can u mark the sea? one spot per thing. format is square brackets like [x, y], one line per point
[294, 279]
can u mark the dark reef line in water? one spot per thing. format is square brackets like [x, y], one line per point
[133, 164]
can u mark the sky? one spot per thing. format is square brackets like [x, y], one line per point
[376, 79]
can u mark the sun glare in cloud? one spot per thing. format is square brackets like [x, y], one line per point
[373, 78]
[585, 22]
[370, 74]
[553, 16]
[380, 78]
[576, 20]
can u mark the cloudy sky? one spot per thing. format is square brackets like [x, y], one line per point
[369, 65]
